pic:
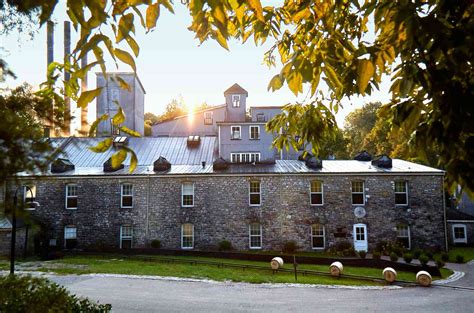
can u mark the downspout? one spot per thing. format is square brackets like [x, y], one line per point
[445, 222]
[147, 207]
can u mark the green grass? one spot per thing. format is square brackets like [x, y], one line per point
[467, 252]
[116, 264]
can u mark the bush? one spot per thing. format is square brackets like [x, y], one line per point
[459, 258]
[440, 263]
[156, 244]
[408, 257]
[397, 250]
[290, 247]
[349, 252]
[381, 246]
[445, 257]
[22, 293]
[343, 245]
[224, 245]
[424, 259]
[429, 254]
[416, 253]
[376, 255]
[362, 254]
[393, 257]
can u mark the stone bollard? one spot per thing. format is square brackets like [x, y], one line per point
[389, 274]
[424, 278]
[336, 268]
[276, 263]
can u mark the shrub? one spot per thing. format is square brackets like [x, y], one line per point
[416, 253]
[225, 245]
[393, 257]
[349, 252]
[22, 293]
[376, 255]
[459, 258]
[445, 257]
[429, 254]
[395, 248]
[290, 247]
[408, 257]
[156, 244]
[381, 246]
[440, 263]
[362, 254]
[343, 245]
[424, 259]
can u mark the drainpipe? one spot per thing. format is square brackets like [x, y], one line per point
[445, 222]
[147, 207]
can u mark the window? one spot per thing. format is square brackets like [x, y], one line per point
[127, 196]
[403, 236]
[246, 157]
[235, 101]
[254, 132]
[114, 129]
[459, 233]
[126, 236]
[401, 193]
[235, 132]
[317, 236]
[29, 196]
[208, 118]
[261, 117]
[71, 196]
[254, 193]
[187, 195]
[187, 236]
[358, 193]
[255, 236]
[316, 194]
[70, 237]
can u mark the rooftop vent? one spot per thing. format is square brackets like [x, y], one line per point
[220, 164]
[193, 141]
[62, 165]
[161, 165]
[108, 166]
[363, 156]
[314, 162]
[120, 141]
[382, 161]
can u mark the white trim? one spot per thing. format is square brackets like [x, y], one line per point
[122, 185]
[232, 100]
[26, 189]
[182, 195]
[311, 193]
[122, 237]
[358, 192]
[460, 240]
[68, 196]
[361, 225]
[408, 234]
[318, 236]
[258, 132]
[240, 156]
[232, 133]
[460, 221]
[254, 193]
[182, 236]
[211, 114]
[406, 193]
[260, 235]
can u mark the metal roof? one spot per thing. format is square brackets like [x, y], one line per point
[5, 223]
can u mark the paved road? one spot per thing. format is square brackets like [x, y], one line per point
[148, 295]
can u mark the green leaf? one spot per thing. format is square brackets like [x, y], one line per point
[125, 26]
[134, 45]
[94, 125]
[152, 15]
[133, 159]
[332, 76]
[118, 118]
[126, 58]
[123, 84]
[365, 71]
[221, 39]
[118, 158]
[295, 82]
[102, 146]
[276, 83]
[87, 96]
[129, 131]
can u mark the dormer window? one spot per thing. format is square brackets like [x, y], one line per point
[235, 132]
[208, 118]
[236, 101]
[260, 117]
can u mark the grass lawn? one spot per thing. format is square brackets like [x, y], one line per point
[123, 265]
[467, 252]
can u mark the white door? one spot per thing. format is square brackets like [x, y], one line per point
[360, 237]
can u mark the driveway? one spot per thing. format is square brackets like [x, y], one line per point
[155, 295]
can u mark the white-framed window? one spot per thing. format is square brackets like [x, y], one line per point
[401, 192]
[459, 233]
[245, 157]
[318, 240]
[126, 237]
[255, 236]
[235, 132]
[403, 236]
[187, 195]
[126, 200]
[261, 117]
[316, 193]
[71, 196]
[254, 193]
[254, 132]
[358, 196]
[70, 236]
[29, 196]
[236, 101]
[187, 236]
[208, 118]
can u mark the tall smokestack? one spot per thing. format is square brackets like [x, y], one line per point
[84, 111]
[67, 52]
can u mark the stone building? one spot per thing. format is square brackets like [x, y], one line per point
[185, 196]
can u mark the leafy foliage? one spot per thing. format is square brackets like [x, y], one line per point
[32, 294]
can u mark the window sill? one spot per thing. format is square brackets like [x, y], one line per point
[187, 206]
[71, 208]
[460, 241]
[401, 205]
[255, 248]
[254, 138]
[317, 205]
[126, 207]
[187, 248]
[255, 205]
[235, 138]
[319, 249]
[29, 209]
[360, 204]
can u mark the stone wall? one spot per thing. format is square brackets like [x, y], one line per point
[6, 239]
[221, 210]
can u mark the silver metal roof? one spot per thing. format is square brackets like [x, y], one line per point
[5, 223]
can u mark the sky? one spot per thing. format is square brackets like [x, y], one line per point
[172, 65]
